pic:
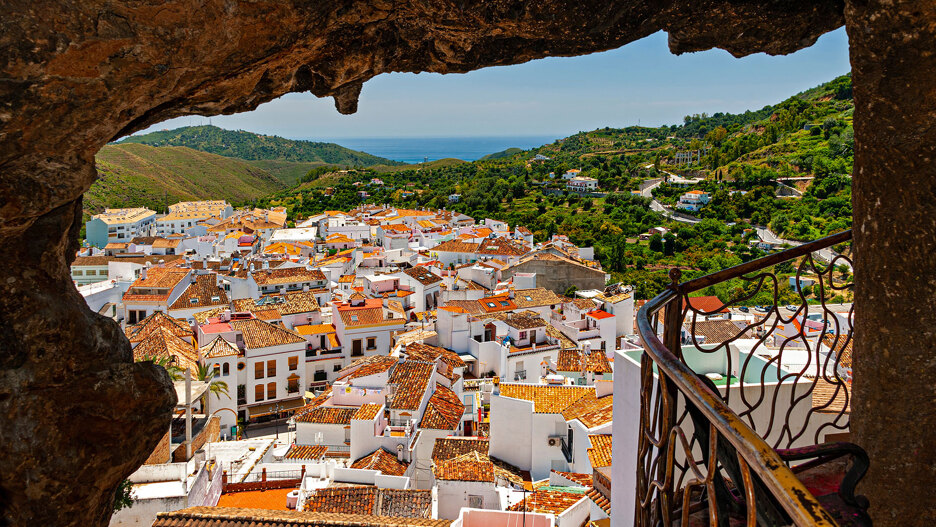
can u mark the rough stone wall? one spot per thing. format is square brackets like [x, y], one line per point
[162, 451]
[893, 55]
[559, 276]
[210, 433]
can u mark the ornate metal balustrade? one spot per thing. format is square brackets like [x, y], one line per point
[714, 449]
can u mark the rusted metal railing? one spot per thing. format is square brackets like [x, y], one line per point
[770, 400]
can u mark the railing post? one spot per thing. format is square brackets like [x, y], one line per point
[672, 325]
[672, 322]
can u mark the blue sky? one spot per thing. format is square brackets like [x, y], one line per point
[641, 82]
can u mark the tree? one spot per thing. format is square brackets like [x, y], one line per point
[656, 243]
[123, 499]
[205, 374]
[167, 363]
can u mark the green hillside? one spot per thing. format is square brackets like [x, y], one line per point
[291, 156]
[808, 137]
[132, 175]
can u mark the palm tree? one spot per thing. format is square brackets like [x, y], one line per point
[205, 374]
[168, 363]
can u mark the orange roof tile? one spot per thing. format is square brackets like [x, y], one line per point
[411, 379]
[367, 412]
[443, 411]
[547, 501]
[600, 452]
[382, 460]
[546, 399]
[306, 452]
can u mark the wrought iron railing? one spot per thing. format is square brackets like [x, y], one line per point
[705, 438]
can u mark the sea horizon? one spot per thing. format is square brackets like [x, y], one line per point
[418, 149]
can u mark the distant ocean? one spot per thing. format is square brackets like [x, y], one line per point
[416, 149]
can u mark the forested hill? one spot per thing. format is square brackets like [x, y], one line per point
[256, 147]
[134, 175]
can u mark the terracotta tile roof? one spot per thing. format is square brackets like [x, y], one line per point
[600, 452]
[599, 500]
[382, 460]
[546, 399]
[205, 293]
[378, 502]
[547, 501]
[327, 415]
[289, 275]
[422, 275]
[464, 306]
[367, 412]
[142, 329]
[160, 278]
[831, 397]
[443, 411]
[202, 316]
[842, 346]
[472, 466]
[218, 348]
[288, 303]
[526, 320]
[260, 334]
[306, 452]
[234, 517]
[716, 331]
[536, 297]
[162, 343]
[584, 480]
[411, 379]
[365, 366]
[564, 341]
[590, 411]
[451, 447]
[475, 466]
[501, 247]
[705, 304]
[268, 499]
[571, 361]
[370, 313]
[425, 352]
[318, 401]
[453, 246]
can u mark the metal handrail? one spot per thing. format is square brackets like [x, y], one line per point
[802, 507]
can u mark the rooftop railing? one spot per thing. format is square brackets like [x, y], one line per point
[712, 449]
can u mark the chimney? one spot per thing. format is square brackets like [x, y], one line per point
[226, 315]
[266, 264]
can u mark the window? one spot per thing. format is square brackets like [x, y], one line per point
[356, 348]
[77, 273]
[258, 392]
[271, 368]
[271, 390]
[216, 370]
[371, 343]
[258, 370]
[475, 501]
[226, 369]
[523, 334]
[293, 363]
[337, 367]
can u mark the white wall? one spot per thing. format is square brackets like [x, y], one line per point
[453, 495]
[511, 425]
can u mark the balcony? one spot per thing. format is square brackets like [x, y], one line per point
[753, 443]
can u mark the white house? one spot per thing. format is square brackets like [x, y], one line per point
[693, 200]
[582, 184]
[274, 365]
[119, 225]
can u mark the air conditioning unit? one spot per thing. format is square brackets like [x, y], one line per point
[553, 441]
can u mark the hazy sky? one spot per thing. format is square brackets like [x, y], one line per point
[641, 82]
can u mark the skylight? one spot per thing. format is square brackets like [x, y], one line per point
[354, 318]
